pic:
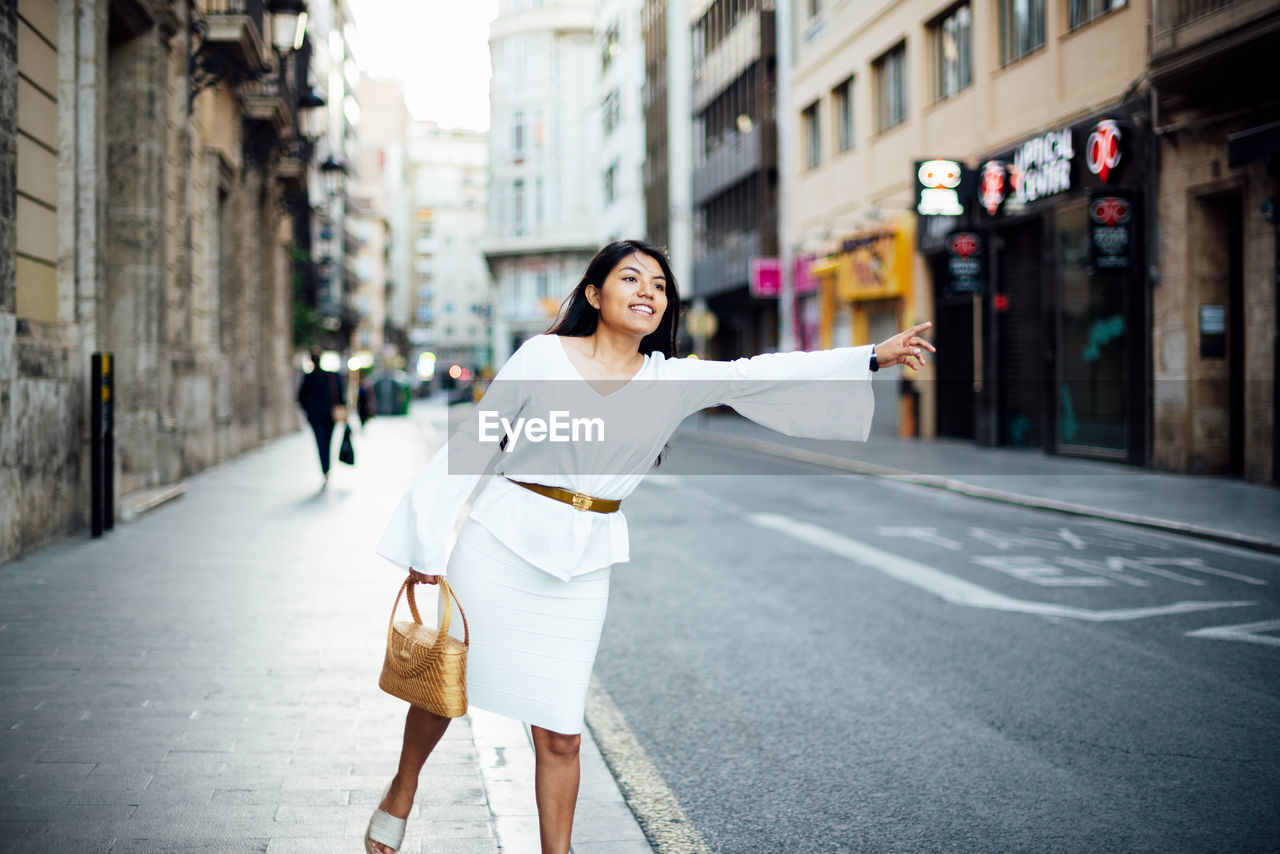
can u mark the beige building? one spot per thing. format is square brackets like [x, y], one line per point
[1045, 349]
[144, 212]
[384, 186]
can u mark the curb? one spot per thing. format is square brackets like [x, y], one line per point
[135, 504]
[958, 486]
[664, 823]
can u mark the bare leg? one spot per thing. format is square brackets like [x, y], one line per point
[422, 731]
[555, 784]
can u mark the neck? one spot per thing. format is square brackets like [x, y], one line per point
[611, 346]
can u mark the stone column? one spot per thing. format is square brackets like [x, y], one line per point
[136, 133]
[9, 479]
[8, 180]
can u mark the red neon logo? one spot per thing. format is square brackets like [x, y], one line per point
[963, 245]
[1110, 210]
[991, 186]
[1102, 152]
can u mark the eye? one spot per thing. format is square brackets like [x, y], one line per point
[659, 286]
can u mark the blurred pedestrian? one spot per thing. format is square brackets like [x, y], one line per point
[532, 561]
[364, 400]
[322, 396]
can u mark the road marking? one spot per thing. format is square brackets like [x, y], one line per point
[1004, 540]
[1070, 537]
[1198, 564]
[956, 590]
[1038, 571]
[660, 815]
[924, 535]
[1247, 632]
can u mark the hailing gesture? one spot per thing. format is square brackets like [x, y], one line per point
[905, 348]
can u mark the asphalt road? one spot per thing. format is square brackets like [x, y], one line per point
[828, 663]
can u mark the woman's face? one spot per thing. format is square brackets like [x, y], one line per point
[633, 296]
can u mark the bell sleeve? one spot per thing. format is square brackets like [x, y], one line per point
[825, 394]
[419, 533]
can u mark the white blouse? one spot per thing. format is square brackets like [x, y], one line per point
[561, 431]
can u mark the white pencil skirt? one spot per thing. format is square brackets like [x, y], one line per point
[533, 637]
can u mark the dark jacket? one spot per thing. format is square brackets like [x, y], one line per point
[316, 394]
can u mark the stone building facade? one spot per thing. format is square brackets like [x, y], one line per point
[144, 217]
[1214, 303]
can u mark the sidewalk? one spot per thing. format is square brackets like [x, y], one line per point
[205, 679]
[1221, 509]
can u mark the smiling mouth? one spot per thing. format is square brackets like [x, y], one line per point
[643, 310]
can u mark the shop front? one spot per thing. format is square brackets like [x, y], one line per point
[864, 295]
[1041, 295]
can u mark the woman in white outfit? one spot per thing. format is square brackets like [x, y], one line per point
[532, 561]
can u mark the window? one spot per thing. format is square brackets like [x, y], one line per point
[812, 136]
[891, 87]
[517, 136]
[610, 177]
[1021, 28]
[517, 208]
[842, 101]
[612, 111]
[953, 52]
[1084, 11]
[612, 46]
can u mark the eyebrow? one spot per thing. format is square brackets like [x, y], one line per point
[641, 272]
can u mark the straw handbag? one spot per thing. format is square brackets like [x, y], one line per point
[423, 665]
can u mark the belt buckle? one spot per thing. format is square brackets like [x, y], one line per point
[581, 501]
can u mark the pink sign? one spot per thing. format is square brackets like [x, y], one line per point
[802, 279]
[766, 277]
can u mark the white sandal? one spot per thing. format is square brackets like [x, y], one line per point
[384, 829]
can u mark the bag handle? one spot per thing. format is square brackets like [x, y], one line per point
[401, 667]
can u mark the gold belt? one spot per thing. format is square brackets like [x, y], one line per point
[580, 501]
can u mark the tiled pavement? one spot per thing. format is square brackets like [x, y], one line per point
[204, 679]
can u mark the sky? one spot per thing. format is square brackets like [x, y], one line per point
[439, 48]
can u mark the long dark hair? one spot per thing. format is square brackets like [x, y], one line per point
[577, 318]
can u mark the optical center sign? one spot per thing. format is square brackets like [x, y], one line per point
[1058, 161]
[1043, 166]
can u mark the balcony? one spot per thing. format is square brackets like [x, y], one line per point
[1193, 40]
[736, 160]
[752, 39]
[725, 268]
[234, 30]
[273, 101]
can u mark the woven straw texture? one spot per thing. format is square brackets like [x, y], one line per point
[423, 665]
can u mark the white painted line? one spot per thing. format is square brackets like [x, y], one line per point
[1198, 564]
[1071, 537]
[664, 822]
[957, 590]
[1247, 632]
[924, 535]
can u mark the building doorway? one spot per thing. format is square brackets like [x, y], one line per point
[1021, 336]
[953, 335]
[1217, 281]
